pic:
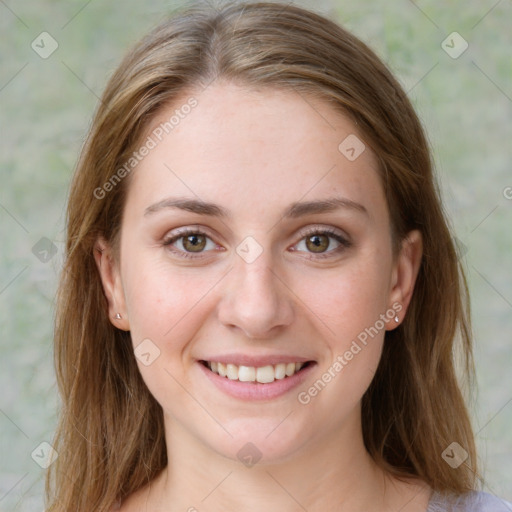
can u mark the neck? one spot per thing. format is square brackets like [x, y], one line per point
[326, 471]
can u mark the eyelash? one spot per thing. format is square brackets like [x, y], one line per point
[344, 243]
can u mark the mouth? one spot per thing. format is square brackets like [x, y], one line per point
[260, 374]
[262, 382]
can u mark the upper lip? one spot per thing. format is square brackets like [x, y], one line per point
[256, 361]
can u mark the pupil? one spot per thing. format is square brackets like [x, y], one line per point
[317, 243]
[194, 243]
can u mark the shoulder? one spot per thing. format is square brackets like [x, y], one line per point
[476, 501]
[485, 502]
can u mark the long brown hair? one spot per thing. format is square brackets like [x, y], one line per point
[110, 437]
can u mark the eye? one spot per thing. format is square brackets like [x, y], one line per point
[188, 242]
[323, 242]
[320, 243]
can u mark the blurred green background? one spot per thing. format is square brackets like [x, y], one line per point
[47, 105]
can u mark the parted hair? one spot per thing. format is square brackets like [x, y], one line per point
[110, 436]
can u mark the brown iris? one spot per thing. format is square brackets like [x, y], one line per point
[317, 243]
[194, 243]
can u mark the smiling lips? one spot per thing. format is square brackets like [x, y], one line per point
[262, 374]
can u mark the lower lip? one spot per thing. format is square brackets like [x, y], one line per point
[256, 390]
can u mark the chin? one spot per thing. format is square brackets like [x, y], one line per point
[261, 441]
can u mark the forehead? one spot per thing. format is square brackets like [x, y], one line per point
[254, 150]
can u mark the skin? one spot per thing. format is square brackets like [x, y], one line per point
[254, 153]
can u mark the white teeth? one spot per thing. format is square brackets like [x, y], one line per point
[232, 371]
[290, 369]
[247, 373]
[280, 370]
[262, 374]
[221, 370]
[265, 374]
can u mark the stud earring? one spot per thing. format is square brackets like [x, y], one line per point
[397, 319]
[117, 316]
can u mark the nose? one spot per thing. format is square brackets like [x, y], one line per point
[255, 300]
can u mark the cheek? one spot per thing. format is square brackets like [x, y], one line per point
[348, 299]
[349, 302]
[349, 306]
[168, 307]
[166, 304]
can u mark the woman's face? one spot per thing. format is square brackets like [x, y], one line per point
[256, 235]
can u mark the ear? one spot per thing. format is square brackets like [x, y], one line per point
[405, 272]
[112, 285]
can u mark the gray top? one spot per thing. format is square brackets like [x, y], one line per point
[470, 502]
[474, 501]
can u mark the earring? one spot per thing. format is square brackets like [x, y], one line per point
[117, 316]
[397, 319]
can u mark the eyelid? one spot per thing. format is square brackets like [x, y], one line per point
[186, 230]
[325, 230]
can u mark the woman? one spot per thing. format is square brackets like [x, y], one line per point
[261, 295]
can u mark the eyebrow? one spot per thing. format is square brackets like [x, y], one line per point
[295, 210]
